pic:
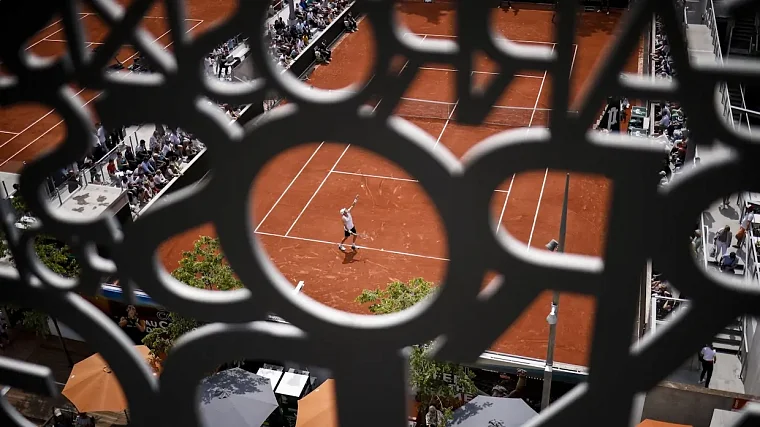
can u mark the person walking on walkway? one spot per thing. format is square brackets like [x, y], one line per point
[744, 225]
[708, 357]
[722, 241]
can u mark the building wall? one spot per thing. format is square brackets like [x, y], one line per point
[752, 374]
[687, 404]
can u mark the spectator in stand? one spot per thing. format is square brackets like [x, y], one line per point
[159, 180]
[146, 167]
[155, 141]
[101, 132]
[722, 241]
[173, 137]
[323, 49]
[121, 162]
[350, 23]
[129, 155]
[98, 148]
[111, 169]
[142, 150]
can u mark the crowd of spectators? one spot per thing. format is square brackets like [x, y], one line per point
[106, 164]
[287, 40]
[220, 61]
[143, 172]
[670, 121]
[660, 287]
[671, 132]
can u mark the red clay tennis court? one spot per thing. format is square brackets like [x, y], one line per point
[298, 196]
[27, 130]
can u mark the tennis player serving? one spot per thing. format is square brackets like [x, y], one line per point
[348, 225]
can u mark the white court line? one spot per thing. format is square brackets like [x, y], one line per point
[454, 37]
[503, 208]
[451, 114]
[478, 72]
[9, 133]
[407, 61]
[76, 94]
[318, 188]
[391, 178]
[359, 246]
[538, 207]
[546, 172]
[164, 17]
[85, 104]
[333, 167]
[54, 23]
[149, 17]
[54, 32]
[88, 43]
[288, 187]
[35, 122]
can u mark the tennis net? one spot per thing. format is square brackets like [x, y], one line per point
[499, 115]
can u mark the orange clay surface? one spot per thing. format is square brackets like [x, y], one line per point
[300, 230]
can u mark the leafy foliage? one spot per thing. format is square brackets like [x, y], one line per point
[19, 205]
[161, 340]
[54, 255]
[427, 376]
[204, 267]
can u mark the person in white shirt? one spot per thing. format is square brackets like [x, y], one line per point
[745, 223]
[154, 141]
[708, 356]
[101, 132]
[349, 229]
[722, 241]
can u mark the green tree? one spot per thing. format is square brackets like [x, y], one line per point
[204, 267]
[426, 375]
[55, 255]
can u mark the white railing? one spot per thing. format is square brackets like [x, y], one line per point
[652, 69]
[745, 113]
[725, 99]
[656, 320]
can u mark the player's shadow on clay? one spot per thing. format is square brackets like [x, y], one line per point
[348, 256]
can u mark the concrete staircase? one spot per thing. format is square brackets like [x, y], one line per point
[743, 39]
[729, 340]
[735, 94]
[699, 41]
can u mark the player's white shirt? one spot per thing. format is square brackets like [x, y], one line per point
[348, 221]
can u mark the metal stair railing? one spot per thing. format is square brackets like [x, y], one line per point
[744, 111]
[725, 99]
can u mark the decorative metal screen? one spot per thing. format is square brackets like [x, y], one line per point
[365, 353]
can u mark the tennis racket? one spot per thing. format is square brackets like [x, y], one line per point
[362, 235]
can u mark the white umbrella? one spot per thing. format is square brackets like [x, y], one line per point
[236, 398]
[487, 411]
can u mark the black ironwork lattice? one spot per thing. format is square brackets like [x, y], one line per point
[644, 221]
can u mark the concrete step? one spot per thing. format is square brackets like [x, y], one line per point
[732, 339]
[732, 331]
[726, 348]
[699, 37]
